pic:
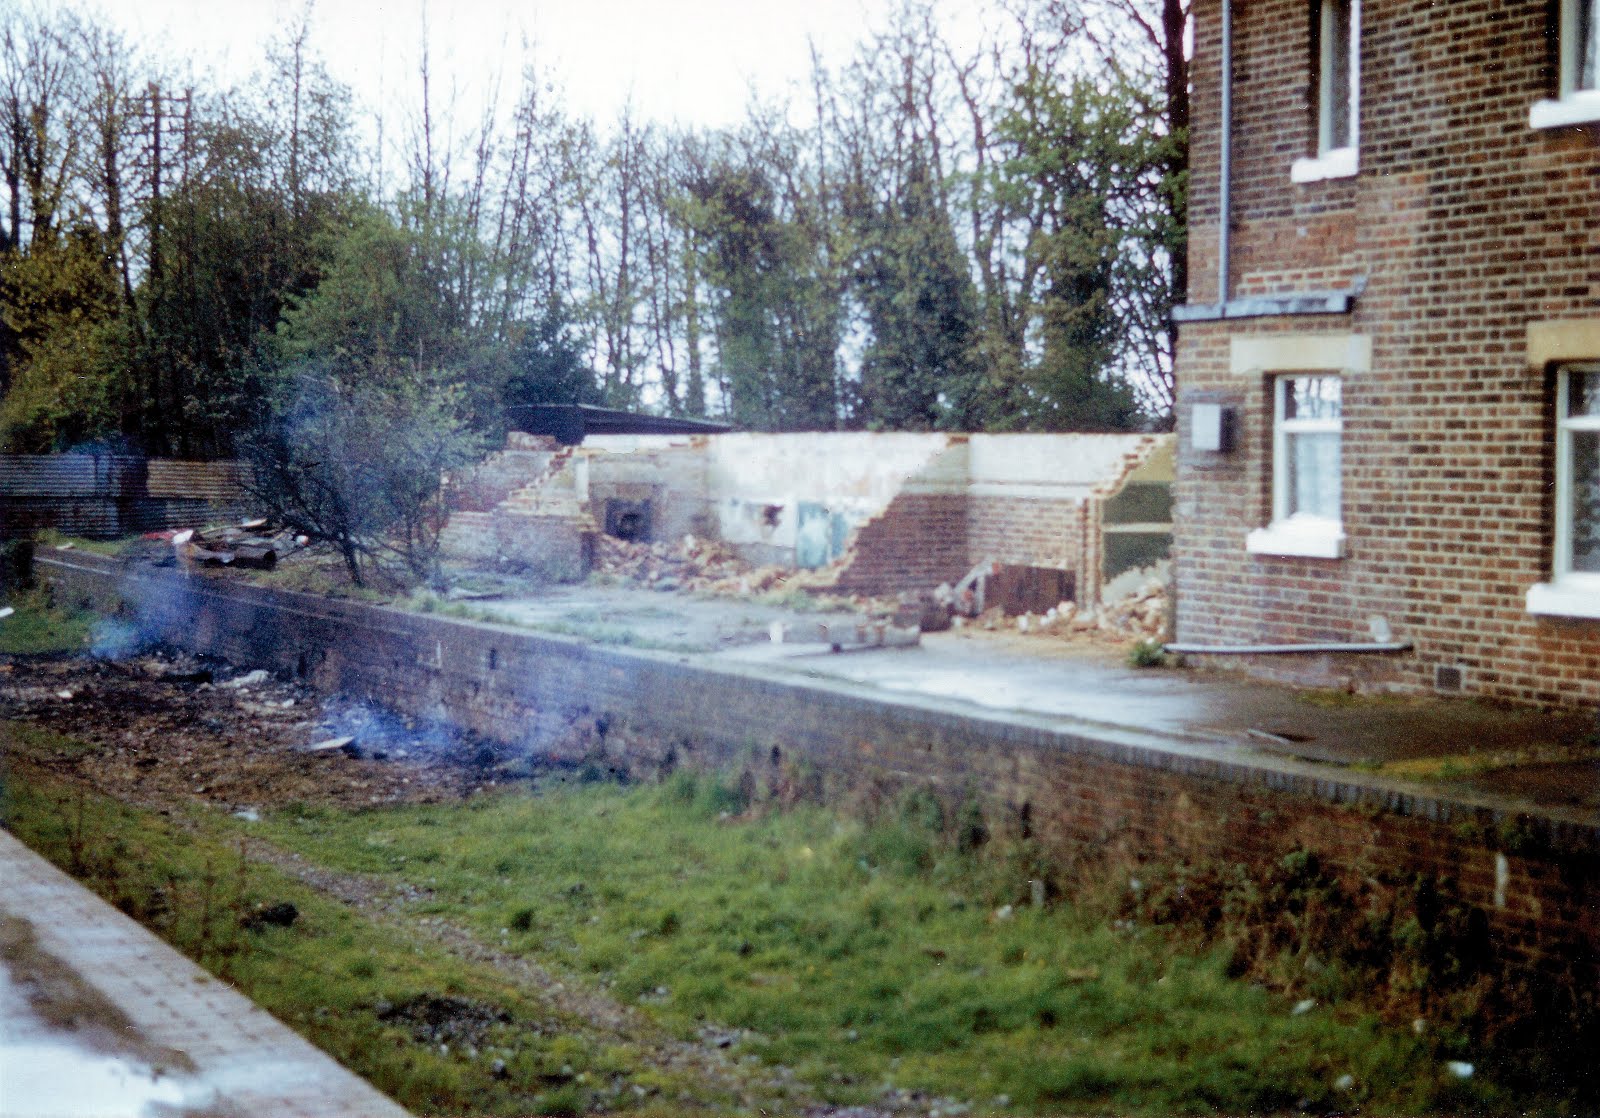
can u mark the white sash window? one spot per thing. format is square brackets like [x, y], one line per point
[1307, 485]
[1338, 89]
[1579, 69]
[1574, 587]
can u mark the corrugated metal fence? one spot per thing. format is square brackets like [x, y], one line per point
[108, 495]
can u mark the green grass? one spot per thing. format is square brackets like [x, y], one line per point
[51, 540]
[798, 599]
[39, 627]
[871, 958]
[586, 625]
[333, 976]
[40, 743]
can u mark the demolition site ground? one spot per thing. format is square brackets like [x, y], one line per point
[476, 933]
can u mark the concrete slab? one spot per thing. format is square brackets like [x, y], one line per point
[1529, 755]
[1544, 756]
[244, 1061]
[652, 619]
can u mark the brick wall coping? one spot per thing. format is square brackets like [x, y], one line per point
[1568, 828]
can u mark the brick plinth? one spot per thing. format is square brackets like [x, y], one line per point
[1082, 792]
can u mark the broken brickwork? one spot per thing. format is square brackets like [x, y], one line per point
[878, 513]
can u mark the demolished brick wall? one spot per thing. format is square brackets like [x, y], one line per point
[895, 512]
[918, 542]
[520, 511]
[1047, 512]
[523, 461]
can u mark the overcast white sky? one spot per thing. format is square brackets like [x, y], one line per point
[687, 60]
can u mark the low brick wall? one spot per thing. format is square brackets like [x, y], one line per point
[1533, 877]
[104, 496]
[555, 548]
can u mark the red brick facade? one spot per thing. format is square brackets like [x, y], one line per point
[1463, 226]
[917, 542]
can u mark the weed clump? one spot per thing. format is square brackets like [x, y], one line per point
[1148, 653]
[1411, 947]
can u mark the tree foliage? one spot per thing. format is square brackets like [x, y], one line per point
[358, 462]
[979, 238]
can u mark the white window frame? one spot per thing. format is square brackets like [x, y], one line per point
[1569, 593]
[1334, 162]
[1574, 105]
[1291, 532]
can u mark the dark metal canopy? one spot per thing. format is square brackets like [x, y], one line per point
[570, 423]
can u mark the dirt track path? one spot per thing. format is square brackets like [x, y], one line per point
[713, 1061]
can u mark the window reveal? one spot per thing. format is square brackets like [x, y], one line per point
[1578, 474]
[1336, 87]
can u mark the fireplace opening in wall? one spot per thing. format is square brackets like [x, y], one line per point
[628, 520]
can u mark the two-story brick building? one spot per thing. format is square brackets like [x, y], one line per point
[1389, 411]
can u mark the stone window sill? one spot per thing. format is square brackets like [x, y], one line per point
[1305, 538]
[1575, 108]
[1564, 599]
[1340, 163]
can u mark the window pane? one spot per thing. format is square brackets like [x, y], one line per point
[1311, 398]
[1336, 73]
[1588, 46]
[1314, 474]
[1585, 450]
[1583, 394]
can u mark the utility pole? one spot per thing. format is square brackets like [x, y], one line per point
[153, 98]
[161, 113]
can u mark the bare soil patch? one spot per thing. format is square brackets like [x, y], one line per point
[162, 728]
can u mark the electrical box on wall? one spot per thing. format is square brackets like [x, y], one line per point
[1211, 428]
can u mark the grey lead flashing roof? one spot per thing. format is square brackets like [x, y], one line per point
[569, 423]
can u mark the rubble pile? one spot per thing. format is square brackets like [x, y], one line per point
[1140, 614]
[693, 564]
[251, 544]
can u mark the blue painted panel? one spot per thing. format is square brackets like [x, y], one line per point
[813, 536]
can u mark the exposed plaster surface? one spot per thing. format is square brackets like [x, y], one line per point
[1070, 467]
[905, 510]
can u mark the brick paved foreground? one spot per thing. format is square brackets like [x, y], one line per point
[255, 1063]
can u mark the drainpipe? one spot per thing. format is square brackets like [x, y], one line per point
[1225, 206]
[1286, 649]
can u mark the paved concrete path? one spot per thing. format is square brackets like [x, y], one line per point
[1525, 757]
[246, 1061]
[1546, 759]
